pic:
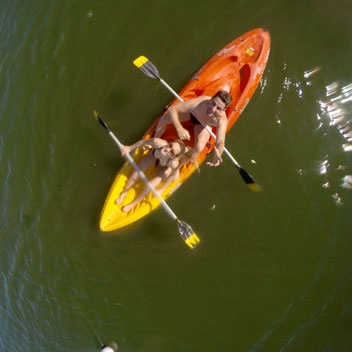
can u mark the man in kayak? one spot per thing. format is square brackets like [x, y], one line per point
[168, 156]
[201, 111]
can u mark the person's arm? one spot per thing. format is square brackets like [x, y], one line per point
[220, 143]
[153, 142]
[175, 119]
[182, 108]
[174, 175]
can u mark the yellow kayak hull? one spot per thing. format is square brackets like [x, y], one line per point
[113, 218]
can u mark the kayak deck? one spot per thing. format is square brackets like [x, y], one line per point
[236, 68]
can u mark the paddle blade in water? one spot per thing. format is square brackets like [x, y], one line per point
[147, 67]
[254, 187]
[100, 120]
[248, 179]
[187, 234]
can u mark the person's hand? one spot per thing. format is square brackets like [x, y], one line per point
[216, 158]
[183, 134]
[125, 149]
[147, 147]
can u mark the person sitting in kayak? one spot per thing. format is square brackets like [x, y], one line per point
[169, 156]
[202, 111]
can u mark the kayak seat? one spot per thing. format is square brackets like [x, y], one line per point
[230, 83]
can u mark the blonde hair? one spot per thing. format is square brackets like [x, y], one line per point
[186, 152]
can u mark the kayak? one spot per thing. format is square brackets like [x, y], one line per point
[237, 68]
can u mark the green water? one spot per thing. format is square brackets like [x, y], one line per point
[273, 270]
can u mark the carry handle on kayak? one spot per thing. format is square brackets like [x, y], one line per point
[150, 70]
[185, 231]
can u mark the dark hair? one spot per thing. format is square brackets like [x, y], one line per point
[224, 96]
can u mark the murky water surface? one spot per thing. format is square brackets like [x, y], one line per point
[273, 271]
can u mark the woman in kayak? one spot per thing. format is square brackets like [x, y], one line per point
[169, 156]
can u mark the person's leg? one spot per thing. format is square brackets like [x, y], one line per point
[161, 126]
[147, 161]
[168, 178]
[154, 182]
[166, 120]
[130, 183]
[162, 174]
[201, 137]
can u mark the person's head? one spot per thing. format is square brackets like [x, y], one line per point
[175, 149]
[219, 102]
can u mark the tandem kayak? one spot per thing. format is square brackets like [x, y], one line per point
[236, 68]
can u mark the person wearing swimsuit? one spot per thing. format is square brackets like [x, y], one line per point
[194, 120]
[165, 155]
[201, 111]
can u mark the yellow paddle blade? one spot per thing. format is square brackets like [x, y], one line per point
[192, 241]
[147, 67]
[140, 61]
[195, 238]
[189, 244]
[254, 187]
[187, 234]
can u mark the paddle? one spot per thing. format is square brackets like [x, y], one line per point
[149, 69]
[185, 231]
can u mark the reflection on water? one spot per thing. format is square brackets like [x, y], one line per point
[334, 111]
[324, 167]
[338, 110]
[347, 182]
[337, 199]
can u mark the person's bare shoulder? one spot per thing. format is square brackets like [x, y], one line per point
[202, 98]
[190, 104]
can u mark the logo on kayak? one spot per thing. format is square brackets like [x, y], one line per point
[225, 50]
[250, 51]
